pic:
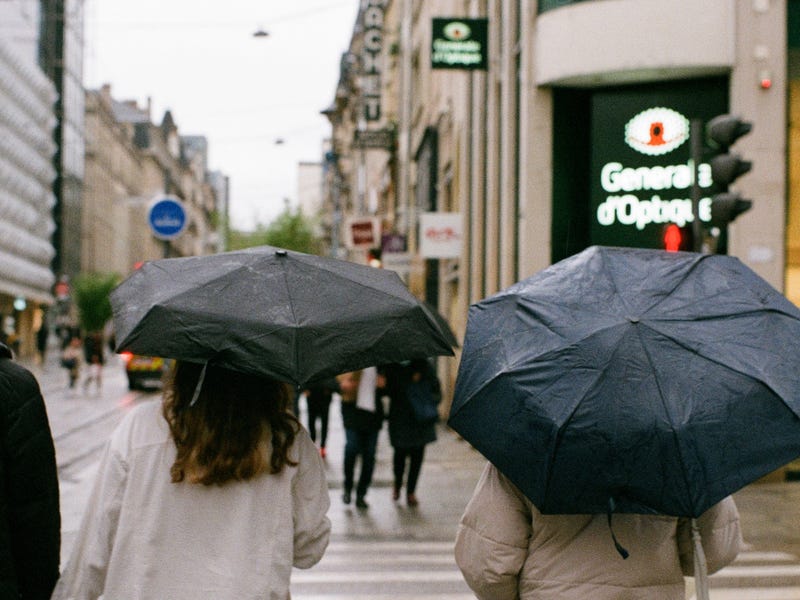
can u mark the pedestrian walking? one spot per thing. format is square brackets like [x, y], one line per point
[508, 550]
[414, 392]
[362, 416]
[215, 492]
[94, 355]
[30, 521]
[71, 358]
[42, 337]
[318, 403]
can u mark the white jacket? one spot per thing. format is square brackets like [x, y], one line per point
[146, 538]
[508, 550]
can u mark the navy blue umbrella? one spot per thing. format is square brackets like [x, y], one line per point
[646, 381]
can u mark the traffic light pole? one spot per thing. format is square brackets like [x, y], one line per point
[696, 138]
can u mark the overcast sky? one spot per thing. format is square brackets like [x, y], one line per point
[199, 59]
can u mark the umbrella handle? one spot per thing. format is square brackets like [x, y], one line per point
[700, 565]
[611, 508]
[199, 385]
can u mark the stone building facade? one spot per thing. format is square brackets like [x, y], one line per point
[130, 162]
[517, 147]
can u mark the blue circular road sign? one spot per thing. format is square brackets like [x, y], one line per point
[167, 217]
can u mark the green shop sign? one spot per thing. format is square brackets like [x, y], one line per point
[459, 43]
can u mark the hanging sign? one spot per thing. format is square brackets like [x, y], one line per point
[440, 235]
[363, 232]
[458, 43]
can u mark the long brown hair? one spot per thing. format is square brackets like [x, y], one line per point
[225, 434]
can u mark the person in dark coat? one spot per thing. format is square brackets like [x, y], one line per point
[318, 401]
[95, 359]
[362, 416]
[30, 521]
[407, 434]
[42, 335]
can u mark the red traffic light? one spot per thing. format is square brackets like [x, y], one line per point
[678, 239]
[672, 238]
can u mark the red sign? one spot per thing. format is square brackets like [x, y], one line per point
[364, 233]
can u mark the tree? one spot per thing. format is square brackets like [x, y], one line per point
[91, 292]
[291, 230]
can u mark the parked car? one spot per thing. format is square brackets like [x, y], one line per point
[144, 371]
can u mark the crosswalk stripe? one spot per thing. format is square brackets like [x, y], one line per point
[372, 576]
[759, 571]
[341, 559]
[752, 556]
[390, 546]
[774, 572]
[392, 596]
[760, 593]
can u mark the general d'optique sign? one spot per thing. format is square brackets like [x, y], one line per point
[459, 43]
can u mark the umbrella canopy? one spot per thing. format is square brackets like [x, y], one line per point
[288, 315]
[444, 325]
[650, 381]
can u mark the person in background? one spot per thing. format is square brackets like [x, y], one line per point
[94, 355]
[508, 550]
[30, 521]
[362, 415]
[42, 336]
[71, 358]
[408, 432]
[215, 492]
[318, 400]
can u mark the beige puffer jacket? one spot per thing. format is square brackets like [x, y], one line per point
[507, 550]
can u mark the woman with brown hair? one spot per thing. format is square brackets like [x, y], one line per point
[216, 493]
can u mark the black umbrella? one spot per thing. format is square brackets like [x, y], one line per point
[444, 325]
[648, 381]
[288, 315]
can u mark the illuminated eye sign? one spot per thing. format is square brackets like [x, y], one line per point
[641, 171]
[656, 131]
[458, 43]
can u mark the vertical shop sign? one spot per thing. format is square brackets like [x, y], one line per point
[371, 59]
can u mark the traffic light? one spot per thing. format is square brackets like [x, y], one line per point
[722, 132]
[677, 238]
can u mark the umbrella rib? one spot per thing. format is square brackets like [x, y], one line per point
[695, 264]
[650, 360]
[717, 362]
[296, 352]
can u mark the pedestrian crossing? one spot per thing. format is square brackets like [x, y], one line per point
[757, 576]
[426, 570]
[383, 570]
